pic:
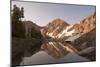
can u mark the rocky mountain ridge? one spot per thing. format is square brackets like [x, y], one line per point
[61, 29]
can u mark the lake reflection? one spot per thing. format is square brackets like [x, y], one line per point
[54, 52]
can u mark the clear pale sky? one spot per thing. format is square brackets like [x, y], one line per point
[43, 13]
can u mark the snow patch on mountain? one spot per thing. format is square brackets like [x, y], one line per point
[63, 33]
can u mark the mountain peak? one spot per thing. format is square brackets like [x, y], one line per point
[58, 21]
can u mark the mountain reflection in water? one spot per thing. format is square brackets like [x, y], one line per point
[54, 52]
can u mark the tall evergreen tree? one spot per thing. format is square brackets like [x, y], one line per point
[17, 25]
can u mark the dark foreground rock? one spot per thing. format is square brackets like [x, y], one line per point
[89, 53]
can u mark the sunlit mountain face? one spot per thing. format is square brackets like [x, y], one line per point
[60, 29]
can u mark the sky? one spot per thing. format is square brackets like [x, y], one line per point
[43, 13]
